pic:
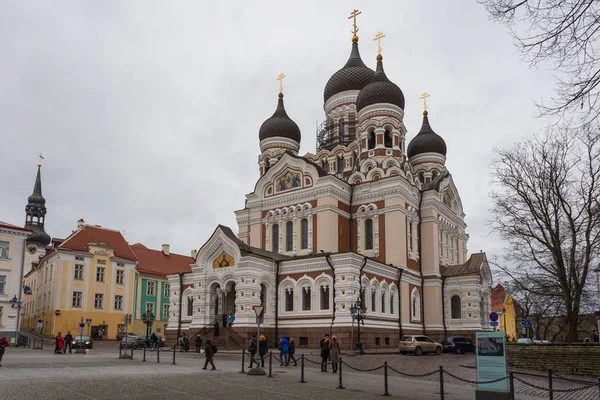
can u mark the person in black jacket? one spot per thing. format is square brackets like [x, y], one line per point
[68, 342]
[324, 344]
[252, 348]
[262, 349]
[209, 354]
[198, 343]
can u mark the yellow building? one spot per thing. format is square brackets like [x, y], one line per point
[88, 276]
[509, 311]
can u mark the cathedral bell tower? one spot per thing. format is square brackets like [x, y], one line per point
[35, 216]
[277, 135]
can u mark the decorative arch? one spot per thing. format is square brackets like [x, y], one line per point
[375, 172]
[455, 307]
[415, 305]
[367, 165]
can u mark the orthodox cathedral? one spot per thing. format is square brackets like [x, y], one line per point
[365, 221]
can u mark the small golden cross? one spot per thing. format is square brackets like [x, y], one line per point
[378, 37]
[353, 15]
[40, 161]
[280, 79]
[424, 97]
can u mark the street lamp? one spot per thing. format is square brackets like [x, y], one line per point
[148, 318]
[358, 311]
[16, 303]
[504, 316]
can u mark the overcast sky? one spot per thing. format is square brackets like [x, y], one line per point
[147, 112]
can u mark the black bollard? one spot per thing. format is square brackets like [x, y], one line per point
[441, 382]
[158, 354]
[340, 386]
[270, 364]
[132, 352]
[174, 347]
[385, 379]
[243, 361]
[302, 369]
[144, 354]
[512, 385]
[550, 384]
[120, 351]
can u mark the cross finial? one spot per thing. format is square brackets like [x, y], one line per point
[378, 37]
[40, 160]
[280, 79]
[353, 15]
[424, 97]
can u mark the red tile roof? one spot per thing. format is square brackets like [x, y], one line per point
[15, 227]
[80, 239]
[155, 262]
[498, 296]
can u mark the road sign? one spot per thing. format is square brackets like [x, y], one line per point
[40, 322]
[88, 322]
[493, 317]
[523, 322]
[82, 325]
[494, 323]
[526, 322]
[258, 310]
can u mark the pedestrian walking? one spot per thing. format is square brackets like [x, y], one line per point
[198, 342]
[230, 319]
[209, 353]
[252, 348]
[68, 343]
[60, 343]
[334, 353]
[262, 349]
[284, 354]
[293, 350]
[181, 342]
[324, 345]
[153, 341]
[3, 345]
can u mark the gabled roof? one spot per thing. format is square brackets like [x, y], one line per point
[80, 240]
[498, 297]
[250, 250]
[155, 262]
[13, 227]
[471, 267]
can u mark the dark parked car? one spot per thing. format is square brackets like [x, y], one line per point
[82, 342]
[458, 345]
[140, 342]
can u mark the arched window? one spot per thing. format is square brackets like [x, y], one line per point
[373, 300]
[410, 236]
[324, 164]
[275, 238]
[289, 236]
[190, 306]
[324, 297]
[306, 296]
[289, 299]
[455, 307]
[369, 234]
[416, 305]
[391, 303]
[382, 301]
[304, 233]
[340, 164]
[387, 139]
[341, 128]
[371, 140]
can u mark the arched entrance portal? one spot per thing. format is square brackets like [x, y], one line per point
[215, 301]
[229, 295]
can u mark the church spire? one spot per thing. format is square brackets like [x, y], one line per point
[35, 212]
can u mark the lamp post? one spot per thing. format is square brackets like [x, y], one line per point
[148, 318]
[16, 303]
[358, 311]
[504, 316]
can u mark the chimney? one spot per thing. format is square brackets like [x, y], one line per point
[165, 249]
[80, 223]
[194, 253]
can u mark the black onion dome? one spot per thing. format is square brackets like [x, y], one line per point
[427, 141]
[279, 125]
[40, 237]
[380, 90]
[36, 197]
[355, 75]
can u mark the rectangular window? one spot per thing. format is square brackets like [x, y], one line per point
[304, 233]
[369, 234]
[165, 311]
[324, 297]
[410, 237]
[4, 249]
[167, 290]
[275, 238]
[150, 307]
[120, 276]
[150, 288]
[98, 300]
[2, 284]
[78, 272]
[76, 302]
[306, 297]
[118, 302]
[99, 274]
[289, 236]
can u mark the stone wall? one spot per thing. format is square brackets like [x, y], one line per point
[571, 358]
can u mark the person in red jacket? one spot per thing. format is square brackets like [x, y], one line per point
[3, 344]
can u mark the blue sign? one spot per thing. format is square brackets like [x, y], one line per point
[526, 322]
[40, 321]
[491, 360]
[493, 317]
[494, 323]
[82, 325]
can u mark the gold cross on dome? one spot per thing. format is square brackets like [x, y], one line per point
[40, 160]
[353, 15]
[378, 37]
[280, 79]
[424, 97]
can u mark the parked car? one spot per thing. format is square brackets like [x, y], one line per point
[419, 345]
[130, 335]
[139, 342]
[82, 342]
[458, 345]
[525, 340]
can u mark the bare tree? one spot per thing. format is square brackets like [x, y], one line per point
[564, 33]
[546, 206]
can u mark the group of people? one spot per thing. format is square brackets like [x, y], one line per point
[227, 320]
[259, 346]
[61, 344]
[184, 343]
[330, 351]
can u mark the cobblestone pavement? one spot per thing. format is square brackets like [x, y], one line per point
[100, 374]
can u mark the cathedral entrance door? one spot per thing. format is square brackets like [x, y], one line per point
[231, 295]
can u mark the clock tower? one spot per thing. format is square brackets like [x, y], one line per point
[35, 215]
